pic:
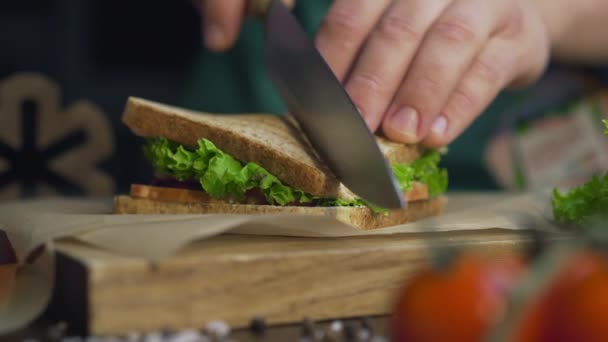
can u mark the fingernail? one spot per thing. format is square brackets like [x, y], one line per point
[405, 121]
[214, 36]
[440, 125]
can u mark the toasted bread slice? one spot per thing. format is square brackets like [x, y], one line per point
[358, 217]
[268, 140]
[181, 195]
[418, 192]
[399, 153]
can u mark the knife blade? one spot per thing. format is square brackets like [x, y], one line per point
[317, 100]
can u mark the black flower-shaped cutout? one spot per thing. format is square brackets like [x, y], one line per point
[46, 151]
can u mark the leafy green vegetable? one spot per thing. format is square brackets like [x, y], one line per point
[424, 170]
[582, 204]
[222, 176]
[219, 174]
[585, 203]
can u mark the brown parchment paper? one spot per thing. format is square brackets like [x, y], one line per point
[34, 223]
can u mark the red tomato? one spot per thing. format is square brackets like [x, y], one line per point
[583, 314]
[459, 303]
[575, 305]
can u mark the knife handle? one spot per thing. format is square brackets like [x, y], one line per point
[258, 8]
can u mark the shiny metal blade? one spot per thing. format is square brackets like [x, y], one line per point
[325, 112]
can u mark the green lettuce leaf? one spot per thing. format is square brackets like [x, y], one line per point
[582, 204]
[585, 203]
[222, 176]
[219, 174]
[424, 170]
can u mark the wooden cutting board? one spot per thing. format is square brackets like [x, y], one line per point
[235, 278]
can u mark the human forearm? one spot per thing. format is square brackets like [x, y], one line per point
[577, 30]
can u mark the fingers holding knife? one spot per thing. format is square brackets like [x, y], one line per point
[452, 40]
[421, 71]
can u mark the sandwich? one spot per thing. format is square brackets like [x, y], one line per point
[256, 164]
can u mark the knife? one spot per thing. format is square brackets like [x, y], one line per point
[323, 109]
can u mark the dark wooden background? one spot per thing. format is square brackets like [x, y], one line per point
[104, 51]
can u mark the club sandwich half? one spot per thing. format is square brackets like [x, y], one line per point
[259, 164]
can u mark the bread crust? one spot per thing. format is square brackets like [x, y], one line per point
[267, 140]
[359, 217]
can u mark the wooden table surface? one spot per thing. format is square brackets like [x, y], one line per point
[236, 277]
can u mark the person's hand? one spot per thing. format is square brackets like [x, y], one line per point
[422, 71]
[222, 21]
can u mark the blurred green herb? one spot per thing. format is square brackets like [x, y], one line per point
[585, 203]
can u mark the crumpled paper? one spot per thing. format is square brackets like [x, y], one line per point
[35, 223]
